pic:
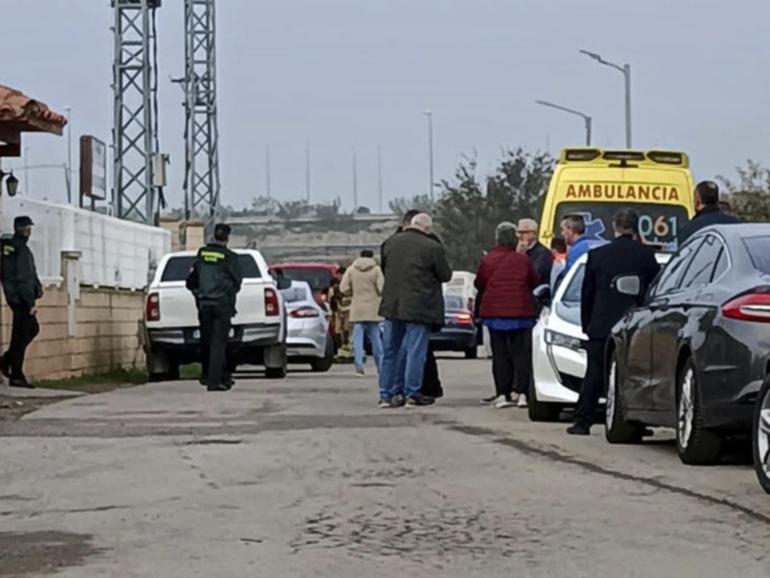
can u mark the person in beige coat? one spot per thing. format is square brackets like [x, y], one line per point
[364, 281]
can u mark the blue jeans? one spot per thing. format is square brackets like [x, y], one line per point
[405, 346]
[370, 329]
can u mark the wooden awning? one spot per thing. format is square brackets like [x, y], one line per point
[18, 114]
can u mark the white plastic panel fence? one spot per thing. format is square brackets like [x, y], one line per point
[113, 252]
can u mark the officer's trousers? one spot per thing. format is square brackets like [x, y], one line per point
[215, 321]
[25, 329]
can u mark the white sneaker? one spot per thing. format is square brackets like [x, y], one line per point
[502, 403]
[522, 401]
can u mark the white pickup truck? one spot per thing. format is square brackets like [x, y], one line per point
[258, 334]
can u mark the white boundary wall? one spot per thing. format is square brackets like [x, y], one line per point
[113, 252]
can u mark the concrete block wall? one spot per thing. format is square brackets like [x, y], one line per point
[107, 333]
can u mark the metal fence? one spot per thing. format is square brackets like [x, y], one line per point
[113, 252]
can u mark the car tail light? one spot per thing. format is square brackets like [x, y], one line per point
[304, 313]
[463, 318]
[272, 305]
[749, 307]
[152, 307]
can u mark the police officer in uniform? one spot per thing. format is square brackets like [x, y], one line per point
[215, 280]
[22, 289]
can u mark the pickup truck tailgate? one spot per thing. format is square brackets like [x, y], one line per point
[177, 305]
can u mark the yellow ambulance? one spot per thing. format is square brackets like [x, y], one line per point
[596, 183]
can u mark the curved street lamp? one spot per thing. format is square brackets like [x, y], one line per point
[586, 118]
[625, 70]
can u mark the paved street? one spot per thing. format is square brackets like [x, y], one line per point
[306, 477]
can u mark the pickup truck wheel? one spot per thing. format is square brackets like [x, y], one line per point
[161, 368]
[276, 372]
[324, 364]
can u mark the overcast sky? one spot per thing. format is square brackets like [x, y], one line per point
[350, 75]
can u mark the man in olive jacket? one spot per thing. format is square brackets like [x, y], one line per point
[215, 280]
[415, 266]
[22, 289]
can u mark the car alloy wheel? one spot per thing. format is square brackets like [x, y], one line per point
[686, 410]
[612, 384]
[762, 441]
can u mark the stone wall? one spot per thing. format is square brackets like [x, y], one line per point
[107, 333]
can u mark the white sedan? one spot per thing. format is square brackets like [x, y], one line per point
[558, 354]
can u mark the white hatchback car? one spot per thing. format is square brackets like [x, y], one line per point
[558, 354]
[558, 357]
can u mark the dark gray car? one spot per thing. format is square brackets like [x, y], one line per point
[695, 354]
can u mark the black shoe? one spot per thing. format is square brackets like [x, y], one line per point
[489, 400]
[418, 399]
[21, 382]
[202, 381]
[5, 367]
[217, 388]
[578, 430]
[229, 381]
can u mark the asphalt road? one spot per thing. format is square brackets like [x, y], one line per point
[306, 477]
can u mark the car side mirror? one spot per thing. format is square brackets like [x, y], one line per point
[282, 283]
[630, 285]
[542, 295]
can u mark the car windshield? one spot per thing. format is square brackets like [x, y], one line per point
[178, 268]
[759, 251]
[296, 293]
[454, 302]
[572, 293]
[318, 279]
[658, 223]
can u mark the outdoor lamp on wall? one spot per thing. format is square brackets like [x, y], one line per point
[11, 183]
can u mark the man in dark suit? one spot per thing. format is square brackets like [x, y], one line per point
[602, 306]
[708, 211]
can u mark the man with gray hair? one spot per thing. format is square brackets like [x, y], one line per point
[541, 256]
[506, 277]
[415, 266]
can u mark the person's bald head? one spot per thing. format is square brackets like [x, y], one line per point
[422, 222]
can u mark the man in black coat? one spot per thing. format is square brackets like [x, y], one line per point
[708, 211]
[215, 280]
[602, 306]
[22, 289]
[431, 380]
[415, 266]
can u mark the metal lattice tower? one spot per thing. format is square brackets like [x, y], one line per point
[135, 108]
[201, 182]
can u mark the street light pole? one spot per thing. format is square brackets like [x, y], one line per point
[429, 114]
[625, 70]
[379, 177]
[68, 110]
[307, 171]
[355, 183]
[586, 118]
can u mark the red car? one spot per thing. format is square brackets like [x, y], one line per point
[318, 275]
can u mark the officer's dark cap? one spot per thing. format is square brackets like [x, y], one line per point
[222, 229]
[22, 222]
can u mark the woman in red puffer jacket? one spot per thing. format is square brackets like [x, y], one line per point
[507, 278]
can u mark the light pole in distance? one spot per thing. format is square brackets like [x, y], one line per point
[626, 71]
[586, 118]
[429, 114]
